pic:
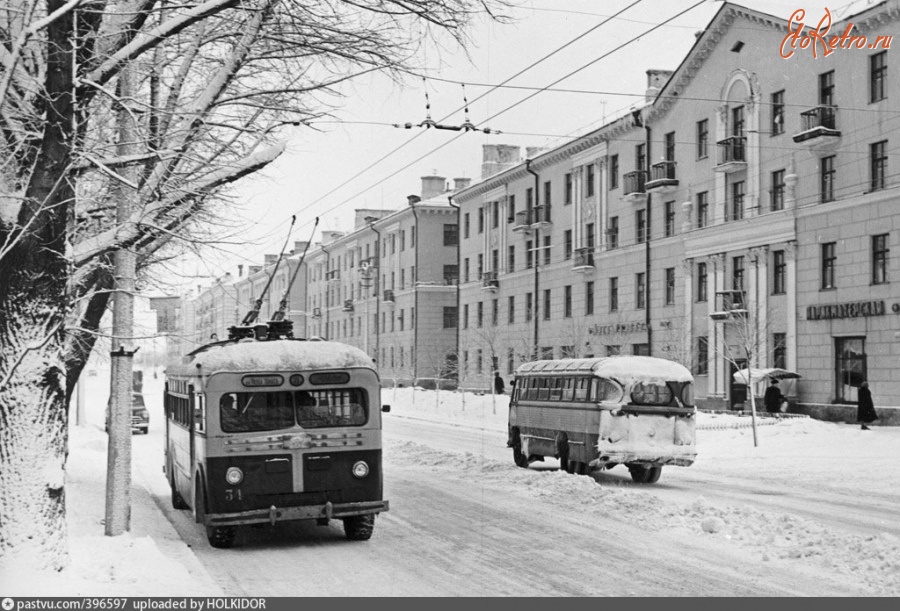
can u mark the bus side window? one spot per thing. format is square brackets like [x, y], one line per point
[581, 388]
[568, 389]
[199, 413]
[556, 389]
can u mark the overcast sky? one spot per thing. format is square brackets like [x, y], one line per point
[333, 171]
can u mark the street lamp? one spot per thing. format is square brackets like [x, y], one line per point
[366, 274]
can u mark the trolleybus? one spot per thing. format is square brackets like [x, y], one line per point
[600, 412]
[262, 431]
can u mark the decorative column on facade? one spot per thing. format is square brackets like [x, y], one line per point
[715, 343]
[754, 193]
[687, 221]
[717, 197]
[578, 205]
[602, 204]
[687, 331]
[790, 186]
[759, 305]
[790, 254]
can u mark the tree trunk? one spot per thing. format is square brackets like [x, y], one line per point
[33, 418]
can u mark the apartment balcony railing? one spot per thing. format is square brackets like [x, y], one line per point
[348, 305]
[662, 177]
[732, 154]
[819, 127]
[523, 221]
[388, 297]
[540, 216]
[490, 282]
[333, 276]
[634, 186]
[584, 260]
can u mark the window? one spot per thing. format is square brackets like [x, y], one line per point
[777, 193]
[547, 192]
[640, 349]
[702, 209]
[402, 279]
[880, 253]
[511, 259]
[465, 318]
[451, 274]
[737, 121]
[450, 314]
[640, 225]
[466, 225]
[640, 291]
[702, 139]
[495, 214]
[640, 157]
[567, 244]
[737, 200]
[590, 177]
[670, 146]
[412, 236]
[826, 88]
[590, 239]
[547, 352]
[529, 198]
[479, 271]
[466, 269]
[702, 282]
[402, 242]
[481, 213]
[479, 361]
[670, 286]
[826, 179]
[479, 319]
[878, 76]
[495, 260]
[547, 250]
[451, 234]
[702, 366]
[546, 304]
[613, 350]
[778, 272]
[529, 306]
[567, 352]
[613, 172]
[850, 367]
[878, 161]
[569, 189]
[567, 301]
[828, 261]
[511, 208]
[778, 113]
[669, 210]
[613, 232]
[737, 273]
[613, 294]
[495, 312]
[779, 350]
[511, 309]
[529, 254]
[589, 298]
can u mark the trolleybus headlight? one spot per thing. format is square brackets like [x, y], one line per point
[360, 469]
[234, 476]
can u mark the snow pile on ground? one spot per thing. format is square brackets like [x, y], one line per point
[149, 561]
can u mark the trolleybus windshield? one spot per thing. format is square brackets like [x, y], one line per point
[248, 412]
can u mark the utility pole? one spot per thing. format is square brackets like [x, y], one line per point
[118, 466]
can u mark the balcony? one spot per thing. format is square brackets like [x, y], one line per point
[451, 280]
[634, 187]
[348, 305]
[333, 277]
[317, 313]
[584, 260]
[540, 217]
[388, 297]
[489, 282]
[819, 128]
[729, 304]
[732, 155]
[662, 177]
[523, 221]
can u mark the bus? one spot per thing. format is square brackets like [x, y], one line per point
[596, 413]
[265, 431]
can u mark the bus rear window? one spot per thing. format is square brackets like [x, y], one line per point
[651, 394]
[246, 412]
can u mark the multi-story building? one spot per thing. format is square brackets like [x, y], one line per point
[748, 203]
[389, 286]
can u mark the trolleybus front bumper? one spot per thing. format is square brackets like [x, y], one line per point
[307, 512]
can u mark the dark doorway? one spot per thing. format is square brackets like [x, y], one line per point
[737, 392]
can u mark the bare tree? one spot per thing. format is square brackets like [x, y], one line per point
[216, 81]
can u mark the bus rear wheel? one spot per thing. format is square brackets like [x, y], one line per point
[359, 528]
[518, 457]
[177, 499]
[642, 474]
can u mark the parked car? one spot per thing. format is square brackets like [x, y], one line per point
[140, 417]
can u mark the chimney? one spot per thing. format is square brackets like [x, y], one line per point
[362, 216]
[299, 246]
[432, 186]
[253, 269]
[270, 260]
[413, 199]
[331, 236]
[461, 183]
[240, 271]
[533, 151]
[498, 157]
[656, 80]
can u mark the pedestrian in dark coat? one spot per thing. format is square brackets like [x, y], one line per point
[499, 384]
[773, 398]
[865, 409]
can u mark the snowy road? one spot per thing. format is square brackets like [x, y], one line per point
[465, 521]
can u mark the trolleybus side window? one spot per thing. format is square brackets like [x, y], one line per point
[199, 413]
[581, 389]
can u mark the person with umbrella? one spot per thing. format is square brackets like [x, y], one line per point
[773, 397]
